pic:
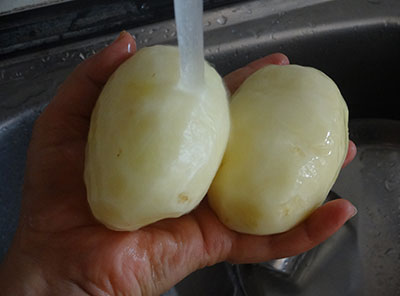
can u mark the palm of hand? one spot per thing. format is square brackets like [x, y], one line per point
[58, 230]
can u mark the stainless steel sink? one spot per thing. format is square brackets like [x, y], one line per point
[355, 42]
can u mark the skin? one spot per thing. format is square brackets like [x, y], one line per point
[60, 249]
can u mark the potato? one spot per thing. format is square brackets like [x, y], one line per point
[288, 141]
[153, 147]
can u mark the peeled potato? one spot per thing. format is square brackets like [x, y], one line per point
[153, 147]
[288, 141]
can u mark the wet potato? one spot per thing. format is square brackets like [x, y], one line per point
[288, 141]
[153, 147]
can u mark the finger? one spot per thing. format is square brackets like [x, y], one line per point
[351, 153]
[236, 78]
[78, 94]
[66, 118]
[322, 223]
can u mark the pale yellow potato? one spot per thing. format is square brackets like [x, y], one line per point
[153, 147]
[289, 138]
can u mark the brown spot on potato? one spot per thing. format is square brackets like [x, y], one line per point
[182, 198]
[119, 152]
[297, 150]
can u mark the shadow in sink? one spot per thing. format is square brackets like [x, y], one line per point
[357, 43]
[14, 139]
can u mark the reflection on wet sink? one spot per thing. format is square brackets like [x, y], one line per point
[357, 43]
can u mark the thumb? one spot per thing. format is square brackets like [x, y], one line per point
[67, 116]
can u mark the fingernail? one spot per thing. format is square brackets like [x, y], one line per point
[120, 36]
[355, 211]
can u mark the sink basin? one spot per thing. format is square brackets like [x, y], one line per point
[357, 43]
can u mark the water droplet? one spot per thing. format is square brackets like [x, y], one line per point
[311, 24]
[145, 6]
[165, 36]
[388, 251]
[81, 56]
[142, 30]
[145, 40]
[151, 31]
[222, 20]
[166, 31]
[207, 24]
[173, 34]
[391, 185]
[257, 34]
[249, 11]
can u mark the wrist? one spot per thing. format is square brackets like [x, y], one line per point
[22, 276]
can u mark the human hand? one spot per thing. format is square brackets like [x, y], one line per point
[60, 249]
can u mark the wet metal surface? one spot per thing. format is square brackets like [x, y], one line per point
[14, 6]
[363, 258]
[356, 42]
